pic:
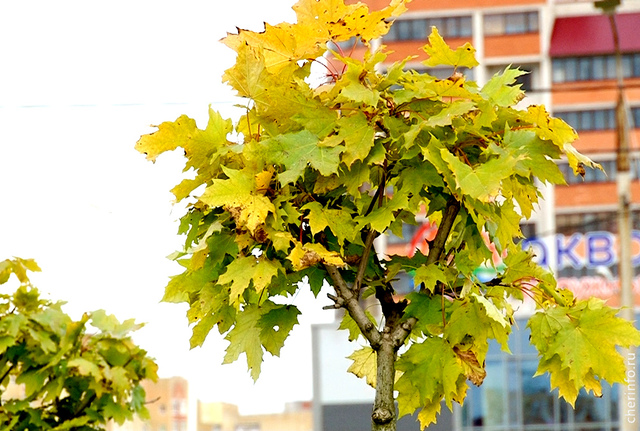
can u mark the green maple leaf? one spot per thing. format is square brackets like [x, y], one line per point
[295, 151]
[275, 326]
[243, 271]
[431, 372]
[348, 324]
[180, 286]
[210, 308]
[339, 221]
[357, 136]
[384, 215]
[85, 367]
[427, 309]
[483, 182]
[364, 365]
[354, 177]
[479, 319]
[244, 337]
[440, 53]
[584, 338]
[535, 156]
[500, 88]
[201, 330]
[446, 116]
[430, 275]
[239, 193]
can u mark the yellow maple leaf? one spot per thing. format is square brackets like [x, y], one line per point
[440, 53]
[364, 365]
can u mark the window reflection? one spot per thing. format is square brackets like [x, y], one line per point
[495, 395]
[537, 400]
[512, 399]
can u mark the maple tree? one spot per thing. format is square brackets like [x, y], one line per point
[295, 192]
[64, 375]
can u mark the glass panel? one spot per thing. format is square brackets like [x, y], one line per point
[420, 29]
[451, 27]
[494, 24]
[599, 120]
[614, 406]
[473, 415]
[589, 408]
[533, 21]
[598, 67]
[570, 69]
[611, 119]
[525, 346]
[558, 66]
[494, 393]
[466, 30]
[587, 122]
[537, 401]
[566, 412]
[610, 67]
[514, 388]
[627, 66]
[403, 28]
[636, 64]
[515, 23]
[584, 69]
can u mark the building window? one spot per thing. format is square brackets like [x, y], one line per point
[589, 120]
[511, 23]
[570, 69]
[419, 29]
[635, 116]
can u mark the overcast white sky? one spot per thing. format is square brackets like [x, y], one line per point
[80, 81]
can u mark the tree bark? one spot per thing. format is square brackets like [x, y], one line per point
[384, 416]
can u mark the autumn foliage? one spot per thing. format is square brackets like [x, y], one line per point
[294, 193]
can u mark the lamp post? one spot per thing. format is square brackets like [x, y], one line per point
[627, 398]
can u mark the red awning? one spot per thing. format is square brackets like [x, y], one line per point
[591, 35]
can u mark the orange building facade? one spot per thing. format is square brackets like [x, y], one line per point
[569, 51]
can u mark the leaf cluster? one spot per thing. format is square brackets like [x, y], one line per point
[57, 373]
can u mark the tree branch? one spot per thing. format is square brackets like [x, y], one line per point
[352, 304]
[448, 217]
[436, 251]
[364, 259]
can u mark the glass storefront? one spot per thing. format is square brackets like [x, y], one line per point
[512, 399]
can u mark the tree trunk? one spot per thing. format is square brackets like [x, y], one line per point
[384, 417]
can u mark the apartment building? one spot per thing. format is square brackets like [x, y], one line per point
[568, 48]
